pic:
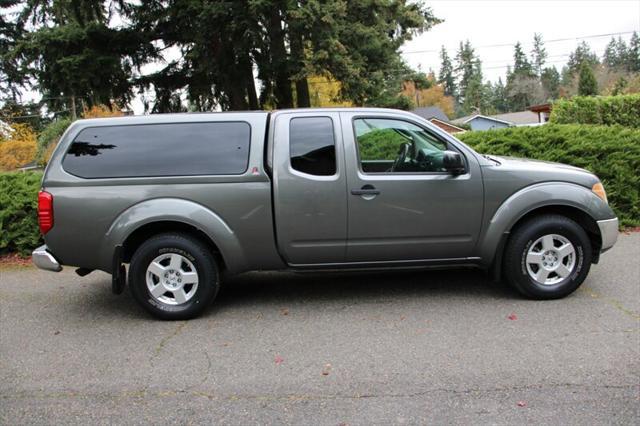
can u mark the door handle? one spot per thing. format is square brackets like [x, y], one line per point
[365, 190]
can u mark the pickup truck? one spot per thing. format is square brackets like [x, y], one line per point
[184, 198]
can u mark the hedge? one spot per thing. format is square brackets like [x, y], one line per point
[611, 152]
[19, 230]
[602, 110]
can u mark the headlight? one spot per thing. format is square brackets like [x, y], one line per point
[598, 189]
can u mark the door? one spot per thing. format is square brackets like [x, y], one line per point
[310, 201]
[403, 205]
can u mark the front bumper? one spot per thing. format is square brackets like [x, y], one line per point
[608, 233]
[45, 260]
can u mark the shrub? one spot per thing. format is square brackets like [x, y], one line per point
[611, 152]
[605, 110]
[19, 230]
[49, 137]
[18, 148]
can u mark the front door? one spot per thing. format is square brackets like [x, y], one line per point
[403, 205]
[309, 189]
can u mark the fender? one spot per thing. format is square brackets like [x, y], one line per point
[533, 197]
[177, 210]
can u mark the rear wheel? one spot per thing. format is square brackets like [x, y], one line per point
[547, 257]
[173, 276]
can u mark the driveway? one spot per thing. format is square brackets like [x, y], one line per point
[384, 348]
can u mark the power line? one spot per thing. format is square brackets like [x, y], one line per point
[556, 40]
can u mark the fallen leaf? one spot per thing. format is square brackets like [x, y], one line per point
[513, 317]
[279, 360]
[522, 404]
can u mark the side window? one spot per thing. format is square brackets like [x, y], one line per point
[312, 146]
[396, 146]
[146, 150]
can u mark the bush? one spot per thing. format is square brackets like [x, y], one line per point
[49, 138]
[603, 110]
[17, 146]
[19, 230]
[612, 153]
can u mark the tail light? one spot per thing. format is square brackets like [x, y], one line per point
[45, 211]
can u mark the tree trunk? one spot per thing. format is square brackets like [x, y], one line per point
[282, 88]
[251, 86]
[297, 57]
[73, 108]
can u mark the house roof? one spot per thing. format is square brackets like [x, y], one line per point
[468, 118]
[446, 125]
[520, 117]
[431, 112]
[541, 108]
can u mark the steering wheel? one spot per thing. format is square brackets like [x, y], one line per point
[403, 152]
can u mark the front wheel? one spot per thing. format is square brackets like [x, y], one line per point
[173, 276]
[547, 257]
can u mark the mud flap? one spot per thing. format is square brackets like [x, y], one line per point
[119, 274]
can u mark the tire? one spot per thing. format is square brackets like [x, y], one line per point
[180, 265]
[538, 261]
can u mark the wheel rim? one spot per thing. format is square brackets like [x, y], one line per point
[551, 259]
[172, 279]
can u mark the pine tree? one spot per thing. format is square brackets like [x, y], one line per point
[587, 85]
[446, 77]
[521, 65]
[610, 57]
[583, 53]
[550, 80]
[467, 68]
[538, 54]
[499, 100]
[633, 55]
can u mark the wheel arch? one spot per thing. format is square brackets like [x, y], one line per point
[157, 216]
[569, 200]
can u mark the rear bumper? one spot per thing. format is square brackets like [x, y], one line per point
[45, 260]
[608, 233]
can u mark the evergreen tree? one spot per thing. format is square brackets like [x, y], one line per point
[633, 56]
[469, 75]
[446, 77]
[587, 85]
[521, 65]
[523, 85]
[538, 54]
[610, 57]
[499, 100]
[550, 80]
[583, 53]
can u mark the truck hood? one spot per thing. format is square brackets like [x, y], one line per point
[533, 171]
[526, 163]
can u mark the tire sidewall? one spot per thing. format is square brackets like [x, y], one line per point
[530, 234]
[205, 267]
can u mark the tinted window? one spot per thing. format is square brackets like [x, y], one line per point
[396, 146]
[160, 150]
[312, 146]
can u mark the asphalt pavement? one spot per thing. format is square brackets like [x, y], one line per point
[422, 347]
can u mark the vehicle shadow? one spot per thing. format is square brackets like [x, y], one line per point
[323, 288]
[263, 289]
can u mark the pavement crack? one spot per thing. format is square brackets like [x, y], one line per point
[612, 302]
[166, 339]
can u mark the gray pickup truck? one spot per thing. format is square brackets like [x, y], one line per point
[183, 198]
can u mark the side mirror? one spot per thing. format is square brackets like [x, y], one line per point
[453, 162]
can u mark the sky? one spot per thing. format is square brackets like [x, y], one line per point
[486, 23]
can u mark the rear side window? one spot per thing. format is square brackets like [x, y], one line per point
[312, 145]
[184, 149]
